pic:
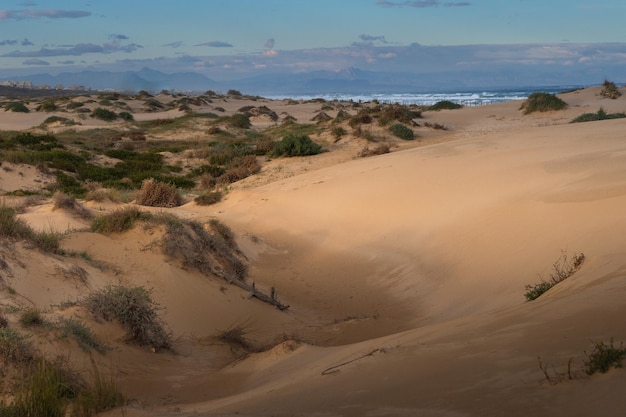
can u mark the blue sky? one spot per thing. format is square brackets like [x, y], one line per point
[222, 37]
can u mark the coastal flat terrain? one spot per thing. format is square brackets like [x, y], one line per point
[404, 273]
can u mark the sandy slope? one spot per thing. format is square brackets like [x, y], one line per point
[405, 274]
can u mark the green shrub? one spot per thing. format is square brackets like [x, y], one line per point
[104, 114]
[16, 107]
[47, 106]
[402, 132]
[240, 121]
[13, 227]
[15, 348]
[600, 115]
[208, 198]
[134, 309]
[396, 112]
[445, 105]
[31, 317]
[542, 102]
[609, 90]
[235, 93]
[126, 116]
[603, 357]
[562, 269]
[118, 221]
[338, 132]
[83, 335]
[295, 145]
[58, 119]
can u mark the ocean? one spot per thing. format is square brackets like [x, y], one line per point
[470, 98]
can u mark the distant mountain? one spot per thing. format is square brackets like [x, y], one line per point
[145, 79]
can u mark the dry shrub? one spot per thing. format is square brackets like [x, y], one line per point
[241, 168]
[210, 253]
[69, 203]
[207, 181]
[378, 150]
[158, 194]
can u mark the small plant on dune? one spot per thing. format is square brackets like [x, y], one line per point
[47, 106]
[445, 105]
[58, 119]
[158, 194]
[118, 221]
[235, 337]
[208, 198]
[402, 132]
[31, 317]
[16, 107]
[3, 322]
[14, 347]
[83, 335]
[240, 121]
[599, 115]
[604, 357]
[135, 310]
[101, 394]
[378, 150]
[210, 253]
[609, 90]
[126, 116]
[69, 203]
[542, 102]
[338, 132]
[295, 145]
[11, 226]
[104, 114]
[562, 269]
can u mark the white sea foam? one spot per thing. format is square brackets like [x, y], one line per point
[464, 98]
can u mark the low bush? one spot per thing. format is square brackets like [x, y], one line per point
[155, 193]
[16, 107]
[13, 227]
[603, 357]
[378, 150]
[126, 116]
[69, 203]
[31, 317]
[240, 121]
[609, 90]
[47, 106]
[295, 145]
[562, 269]
[58, 119]
[402, 132]
[134, 309]
[118, 221]
[445, 105]
[599, 115]
[15, 348]
[83, 335]
[104, 114]
[208, 198]
[542, 102]
[396, 112]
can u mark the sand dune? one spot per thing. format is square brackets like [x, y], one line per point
[405, 274]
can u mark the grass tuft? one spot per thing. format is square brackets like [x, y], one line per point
[603, 357]
[542, 102]
[134, 309]
[562, 269]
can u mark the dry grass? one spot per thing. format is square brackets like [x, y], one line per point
[69, 203]
[155, 193]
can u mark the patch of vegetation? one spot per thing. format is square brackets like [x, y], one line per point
[58, 119]
[11, 226]
[134, 309]
[118, 221]
[609, 90]
[126, 116]
[401, 131]
[208, 198]
[295, 145]
[239, 120]
[599, 115]
[542, 102]
[235, 337]
[396, 112]
[83, 335]
[378, 150]
[47, 106]
[104, 114]
[31, 317]
[604, 357]
[15, 348]
[158, 194]
[16, 107]
[562, 269]
[69, 203]
[210, 253]
[445, 105]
